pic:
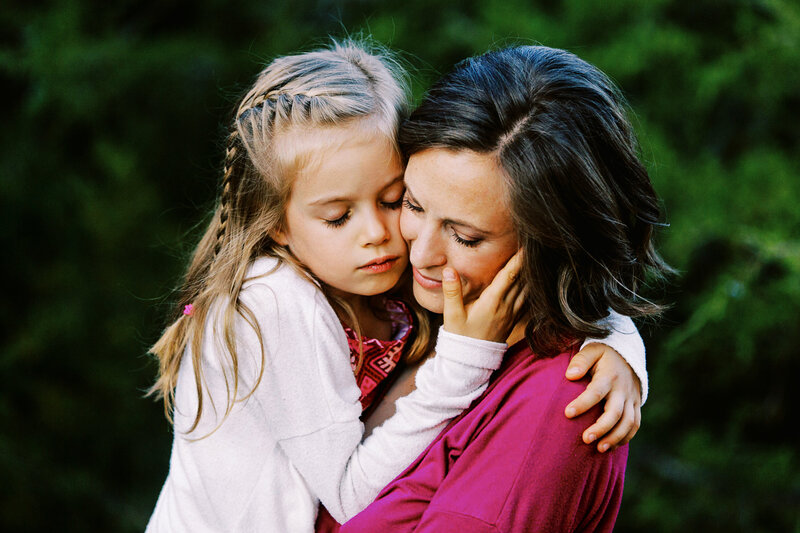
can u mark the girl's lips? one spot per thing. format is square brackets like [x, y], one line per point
[426, 283]
[380, 265]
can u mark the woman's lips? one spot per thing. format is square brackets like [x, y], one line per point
[424, 282]
[380, 265]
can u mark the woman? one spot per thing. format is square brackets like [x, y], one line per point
[526, 148]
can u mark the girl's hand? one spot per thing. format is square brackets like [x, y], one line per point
[612, 380]
[493, 315]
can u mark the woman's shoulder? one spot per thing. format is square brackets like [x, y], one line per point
[534, 392]
[529, 371]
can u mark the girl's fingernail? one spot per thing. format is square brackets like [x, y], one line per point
[603, 447]
[592, 436]
[449, 274]
[570, 411]
[571, 371]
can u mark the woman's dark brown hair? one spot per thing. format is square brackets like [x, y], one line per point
[581, 201]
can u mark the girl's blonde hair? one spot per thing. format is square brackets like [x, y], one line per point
[349, 84]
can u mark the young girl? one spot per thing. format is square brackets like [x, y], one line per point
[255, 371]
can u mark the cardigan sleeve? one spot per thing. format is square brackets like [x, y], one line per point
[309, 399]
[625, 339]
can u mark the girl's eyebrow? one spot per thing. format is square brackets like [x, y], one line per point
[335, 199]
[452, 221]
[397, 178]
[323, 201]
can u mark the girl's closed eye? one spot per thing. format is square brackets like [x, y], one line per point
[393, 205]
[338, 222]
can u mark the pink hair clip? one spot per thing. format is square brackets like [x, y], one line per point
[188, 309]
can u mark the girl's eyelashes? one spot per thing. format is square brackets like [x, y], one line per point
[469, 243]
[339, 221]
[393, 205]
[411, 207]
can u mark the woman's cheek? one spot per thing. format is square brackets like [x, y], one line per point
[472, 292]
[476, 282]
[406, 226]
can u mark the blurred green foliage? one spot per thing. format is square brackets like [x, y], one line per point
[111, 148]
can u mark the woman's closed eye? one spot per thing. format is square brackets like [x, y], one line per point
[464, 241]
[411, 207]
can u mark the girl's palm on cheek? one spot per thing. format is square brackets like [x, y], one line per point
[493, 315]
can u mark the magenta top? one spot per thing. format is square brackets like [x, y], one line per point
[512, 462]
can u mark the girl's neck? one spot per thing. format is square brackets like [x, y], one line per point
[369, 323]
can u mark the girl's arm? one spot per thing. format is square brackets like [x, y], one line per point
[346, 474]
[619, 377]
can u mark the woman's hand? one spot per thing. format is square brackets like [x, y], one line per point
[612, 380]
[493, 315]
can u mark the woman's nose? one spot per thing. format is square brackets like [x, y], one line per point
[426, 249]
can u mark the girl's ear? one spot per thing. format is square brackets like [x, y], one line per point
[279, 236]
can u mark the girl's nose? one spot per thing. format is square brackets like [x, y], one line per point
[376, 229]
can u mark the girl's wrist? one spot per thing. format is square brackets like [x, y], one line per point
[469, 350]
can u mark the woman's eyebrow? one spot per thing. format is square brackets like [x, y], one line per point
[411, 194]
[463, 224]
[452, 221]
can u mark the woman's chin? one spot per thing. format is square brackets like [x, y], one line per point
[433, 301]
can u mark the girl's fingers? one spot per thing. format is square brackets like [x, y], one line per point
[597, 389]
[454, 312]
[513, 292]
[491, 316]
[519, 304]
[637, 422]
[582, 361]
[620, 431]
[613, 412]
[504, 280]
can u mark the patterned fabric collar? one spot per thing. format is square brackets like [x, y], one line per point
[380, 356]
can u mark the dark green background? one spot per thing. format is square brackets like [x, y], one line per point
[110, 145]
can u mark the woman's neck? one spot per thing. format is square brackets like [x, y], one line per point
[517, 334]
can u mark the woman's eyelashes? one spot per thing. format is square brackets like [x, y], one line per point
[411, 207]
[469, 243]
[463, 241]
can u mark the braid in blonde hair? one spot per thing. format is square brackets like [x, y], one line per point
[228, 185]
